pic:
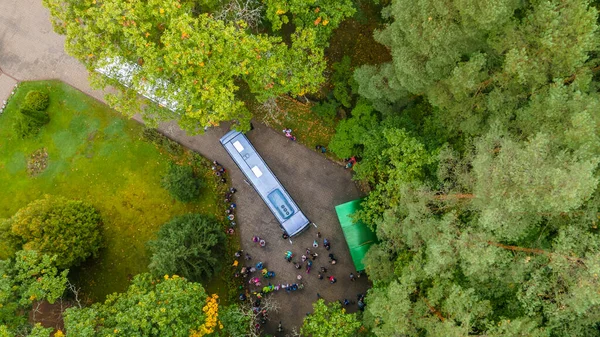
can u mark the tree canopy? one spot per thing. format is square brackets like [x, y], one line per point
[190, 62]
[330, 320]
[69, 229]
[169, 306]
[25, 279]
[188, 246]
[484, 169]
[182, 183]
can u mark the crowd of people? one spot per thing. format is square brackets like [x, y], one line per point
[219, 171]
[261, 280]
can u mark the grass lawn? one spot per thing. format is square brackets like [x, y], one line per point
[97, 156]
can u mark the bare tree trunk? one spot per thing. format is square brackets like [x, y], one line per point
[536, 251]
[75, 292]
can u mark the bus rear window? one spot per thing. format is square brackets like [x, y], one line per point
[280, 203]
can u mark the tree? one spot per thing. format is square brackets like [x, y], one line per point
[27, 278]
[69, 229]
[236, 322]
[187, 61]
[329, 320]
[170, 306]
[350, 133]
[343, 82]
[486, 201]
[181, 182]
[476, 61]
[318, 15]
[187, 246]
[36, 101]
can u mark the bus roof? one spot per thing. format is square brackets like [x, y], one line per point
[271, 191]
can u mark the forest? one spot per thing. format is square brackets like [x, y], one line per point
[476, 132]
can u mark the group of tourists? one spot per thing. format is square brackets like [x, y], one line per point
[288, 134]
[219, 170]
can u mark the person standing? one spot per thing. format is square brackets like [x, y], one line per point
[352, 277]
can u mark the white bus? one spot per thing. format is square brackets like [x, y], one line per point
[285, 210]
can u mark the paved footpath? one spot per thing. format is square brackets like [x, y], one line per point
[30, 50]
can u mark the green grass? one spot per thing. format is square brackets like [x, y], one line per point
[97, 156]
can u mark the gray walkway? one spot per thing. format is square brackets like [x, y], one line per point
[30, 50]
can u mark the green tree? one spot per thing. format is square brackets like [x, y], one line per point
[187, 246]
[330, 320]
[493, 233]
[27, 278]
[350, 134]
[235, 321]
[476, 61]
[182, 183]
[36, 101]
[343, 82]
[169, 306]
[318, 15]
[69, 229]
[187, 60]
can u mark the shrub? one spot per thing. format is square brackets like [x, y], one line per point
[181, 183]
[32, 116]
[343, 82]
[69, 229]
[326, 110]
[350, 133]
[39, 118]
[162, 142]
[24, 126]
[36, 101]
[186, 246]
[9, 242]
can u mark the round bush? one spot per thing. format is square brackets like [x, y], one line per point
[69, 229]
[24, 127]
[36, 101]
[181, 183]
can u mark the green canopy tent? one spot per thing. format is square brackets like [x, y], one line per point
[358, 236]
